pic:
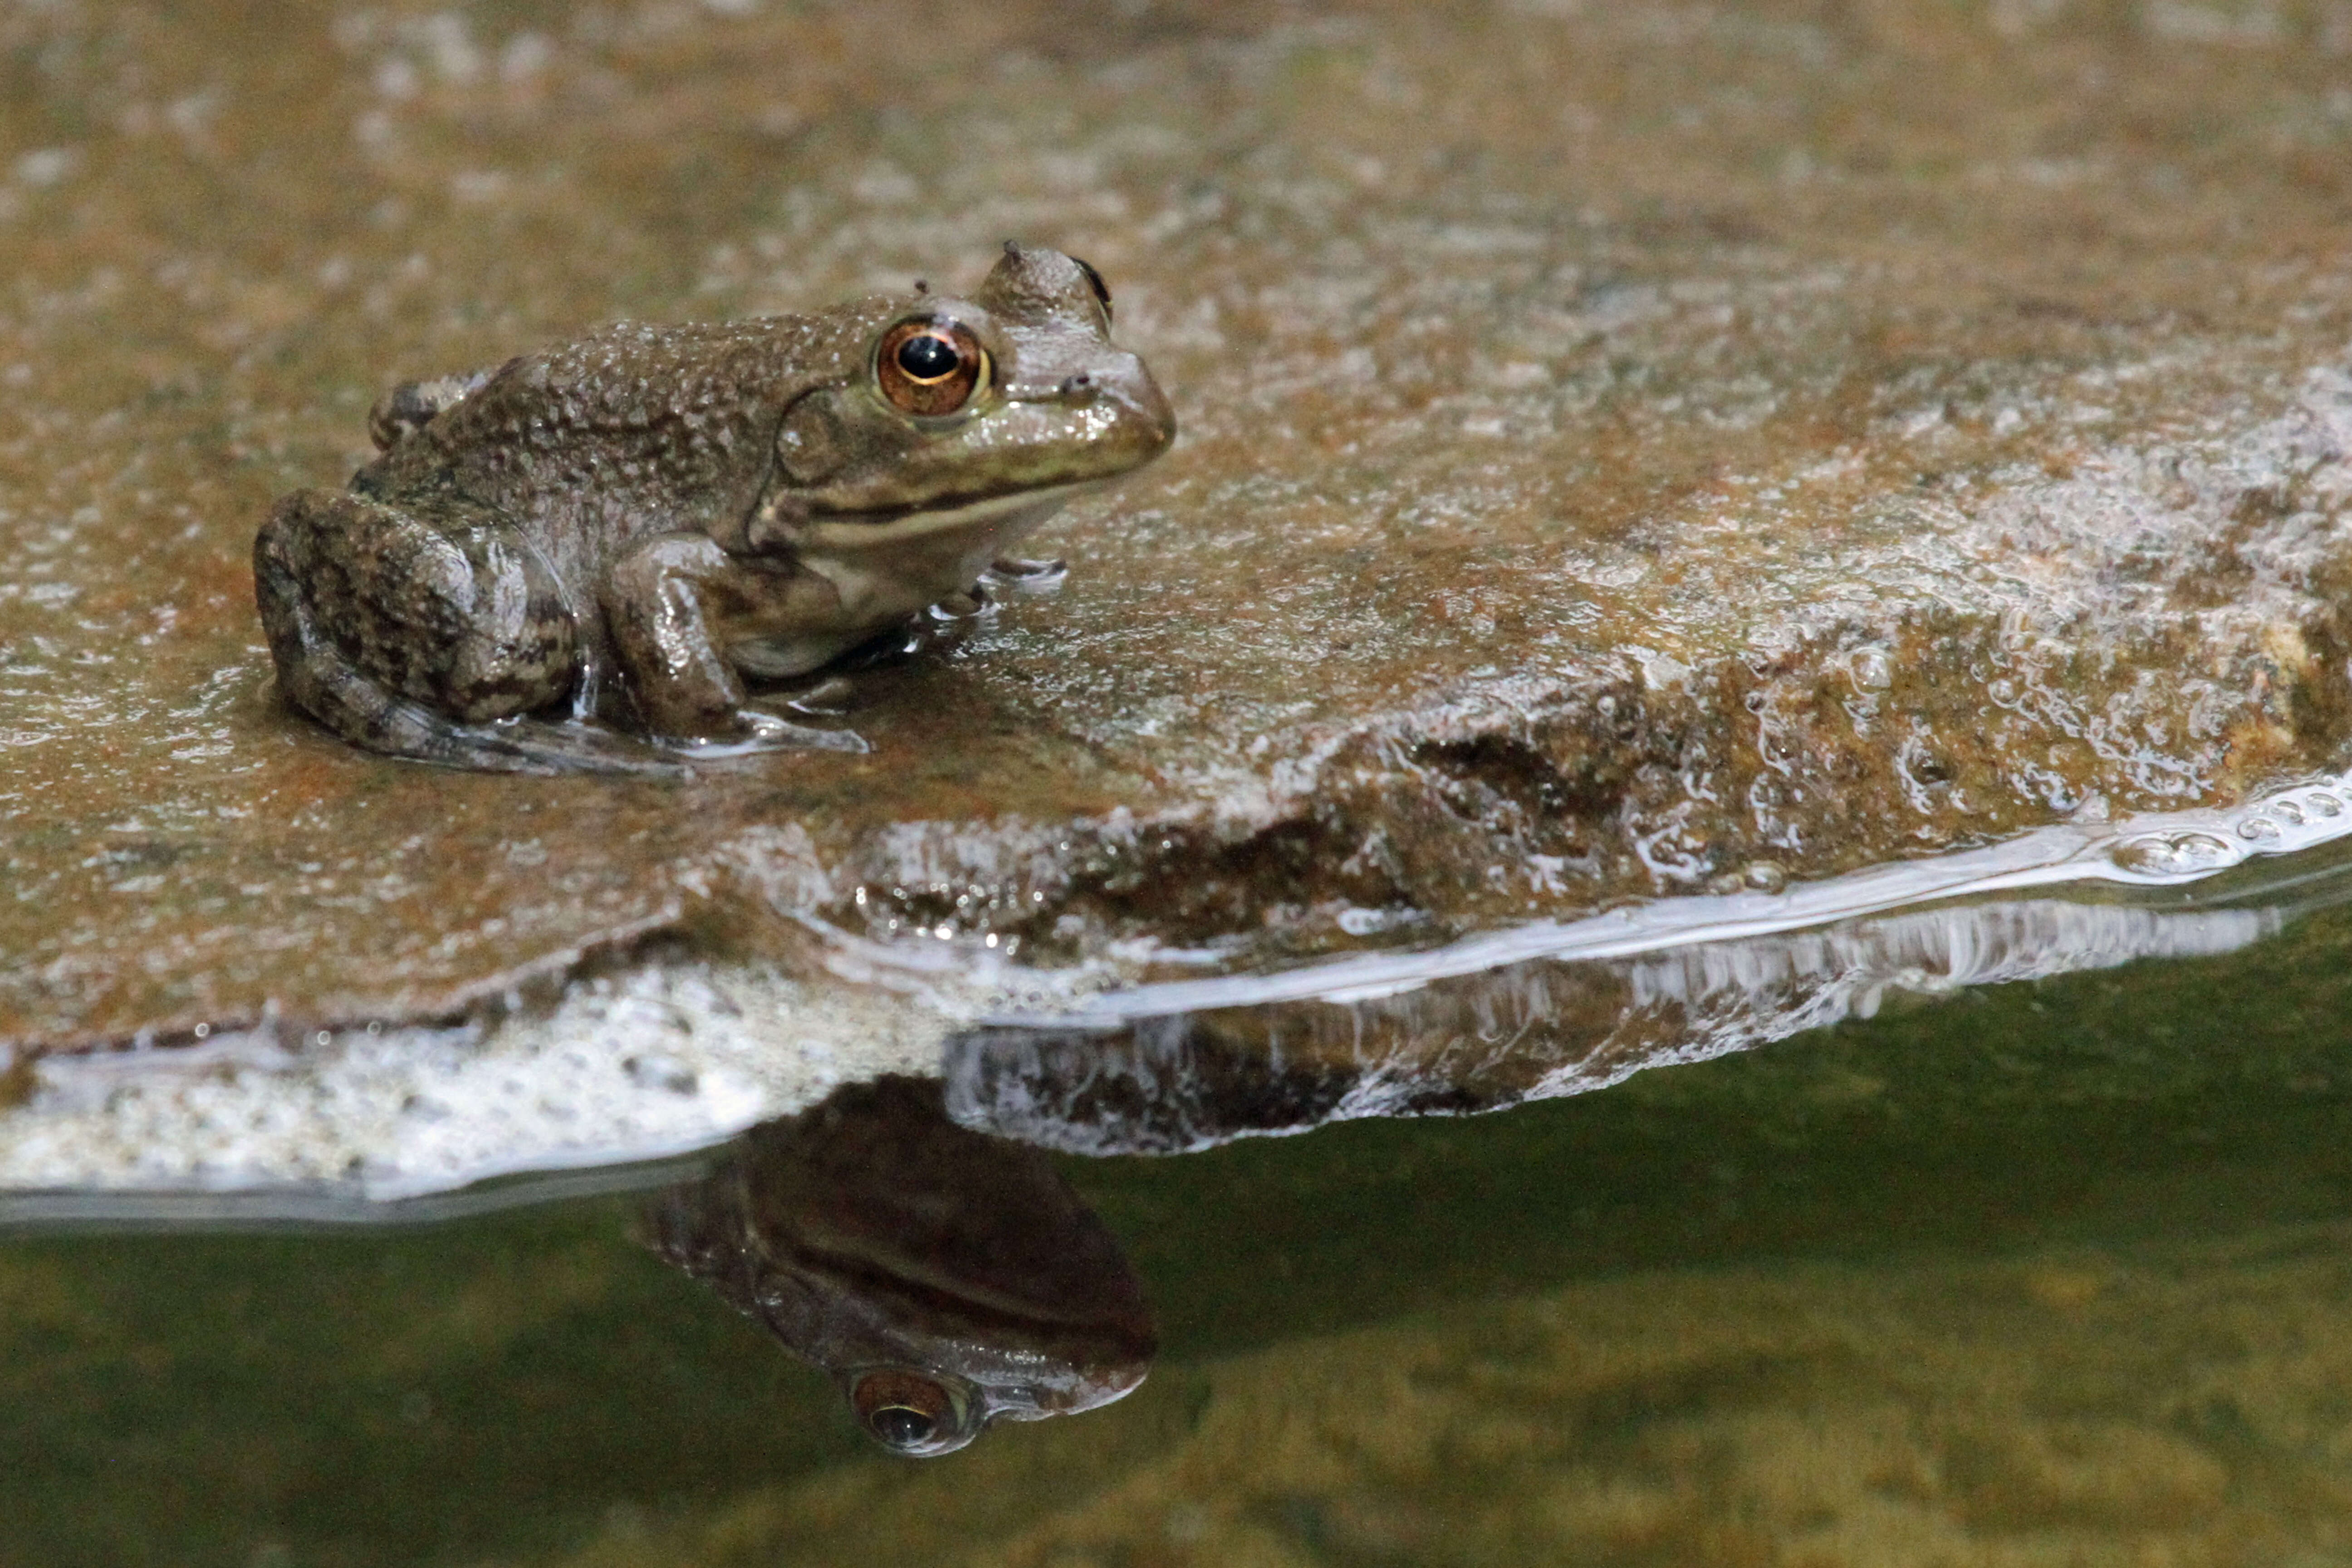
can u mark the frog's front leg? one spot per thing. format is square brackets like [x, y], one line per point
[674, 604]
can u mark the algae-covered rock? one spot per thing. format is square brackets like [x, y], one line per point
[1627, 450]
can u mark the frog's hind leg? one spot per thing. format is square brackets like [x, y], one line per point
[420, 640]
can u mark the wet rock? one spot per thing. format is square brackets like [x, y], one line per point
[1628, 451]
[638, 1064]
[657, 1057]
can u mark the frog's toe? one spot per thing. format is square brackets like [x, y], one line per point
[828, 698]
[1023, 573]
[962, 607]
[763, 731]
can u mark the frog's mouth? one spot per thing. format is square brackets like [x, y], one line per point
[866, 529]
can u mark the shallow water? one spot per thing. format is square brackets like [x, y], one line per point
[2055, 1271]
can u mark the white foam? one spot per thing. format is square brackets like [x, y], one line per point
[626, 1068]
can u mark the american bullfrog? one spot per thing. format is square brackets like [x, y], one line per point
[617, 533]
[944, 1279]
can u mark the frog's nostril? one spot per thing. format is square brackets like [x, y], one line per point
[1073, 385]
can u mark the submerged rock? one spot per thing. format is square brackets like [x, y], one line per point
[1628, 451]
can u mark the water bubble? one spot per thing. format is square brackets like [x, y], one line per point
[2174, 854]
[1871, 668]
[2258, 829]
[2323, 804]
[2288, 812]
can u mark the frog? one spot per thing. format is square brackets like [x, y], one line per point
[945, 1280]
[583, 558]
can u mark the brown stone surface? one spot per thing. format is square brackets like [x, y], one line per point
[1626, 448]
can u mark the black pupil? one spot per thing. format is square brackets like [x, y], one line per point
[928, 357]
[901, 1428]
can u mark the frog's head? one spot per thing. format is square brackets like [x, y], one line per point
[945, 1279]
[953, 415]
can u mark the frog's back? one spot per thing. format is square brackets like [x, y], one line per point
[630, 429]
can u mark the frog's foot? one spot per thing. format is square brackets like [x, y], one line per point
[970, 605]
[539, 746]
[828, 698]
[1031, 577]
[762, 732]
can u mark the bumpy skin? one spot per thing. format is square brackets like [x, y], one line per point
[609, 536]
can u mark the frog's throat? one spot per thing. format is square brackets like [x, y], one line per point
[866, 531]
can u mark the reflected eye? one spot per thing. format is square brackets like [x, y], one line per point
[929, 367]
[909, 1413]
[1095, 283]
[902, 1426]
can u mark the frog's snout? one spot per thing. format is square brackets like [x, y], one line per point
[1151, 406]
[1144, 417]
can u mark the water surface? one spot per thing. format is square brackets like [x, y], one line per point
[2055, 1271]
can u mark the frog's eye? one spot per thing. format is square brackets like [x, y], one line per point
[929, 367]
[1095, 283]
[909, 1413]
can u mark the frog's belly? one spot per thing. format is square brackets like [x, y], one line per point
[781, 659]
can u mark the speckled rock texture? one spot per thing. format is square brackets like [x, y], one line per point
[1628, 449]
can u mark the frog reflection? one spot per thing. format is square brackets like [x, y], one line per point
[944, 1279]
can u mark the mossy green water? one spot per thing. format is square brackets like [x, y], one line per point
[2080, 1218]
